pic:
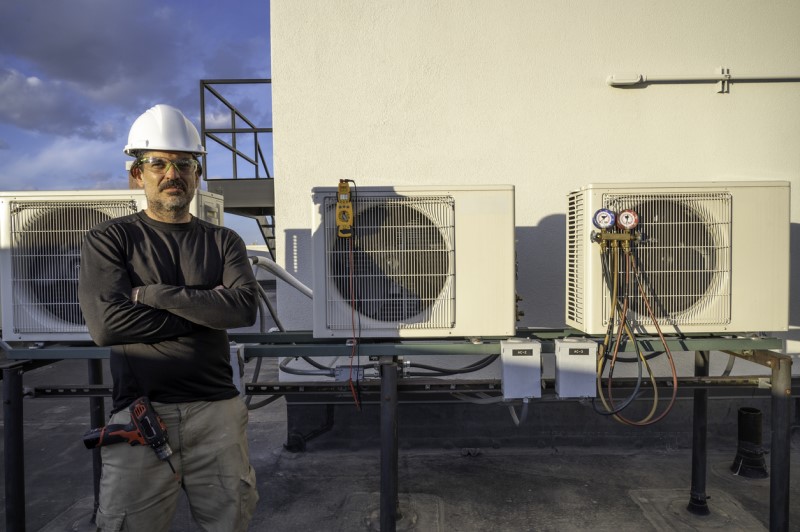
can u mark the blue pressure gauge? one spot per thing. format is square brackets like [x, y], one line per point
[604, 219]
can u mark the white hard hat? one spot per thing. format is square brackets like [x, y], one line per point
[163, 128]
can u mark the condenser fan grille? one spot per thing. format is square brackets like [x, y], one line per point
[46, 239]
[397, 270]
[684, 256]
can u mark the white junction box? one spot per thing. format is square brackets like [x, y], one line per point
[522, 368]
[576, 368]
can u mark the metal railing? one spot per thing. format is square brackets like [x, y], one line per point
[245, 142]
[238, 125]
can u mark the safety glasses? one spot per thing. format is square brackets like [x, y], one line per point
[160, 165]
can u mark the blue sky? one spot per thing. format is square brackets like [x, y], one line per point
[74, 75]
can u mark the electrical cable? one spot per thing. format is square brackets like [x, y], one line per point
[316, 364]
[482, 399]
[284, 366]
[518, 420]
[485, 399]
[264, 302]
[356, 336]
[272, 310]
[437, 371]
[729, 366]
[266, 306]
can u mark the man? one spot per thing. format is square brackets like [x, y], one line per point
[161, 287]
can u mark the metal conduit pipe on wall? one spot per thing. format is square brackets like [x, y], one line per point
[722, 76]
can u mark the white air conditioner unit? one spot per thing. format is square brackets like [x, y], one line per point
[40, 239]
[423, 262]
[714, 256]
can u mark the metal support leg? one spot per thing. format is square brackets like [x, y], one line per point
[698, 504]
[781, 443]
[14, 457]
[96, 419]
[389, 495]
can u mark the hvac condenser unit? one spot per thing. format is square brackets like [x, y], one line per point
[40, 240]
[421, 262]
[714, 257]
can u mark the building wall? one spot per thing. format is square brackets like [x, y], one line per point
[485, 92]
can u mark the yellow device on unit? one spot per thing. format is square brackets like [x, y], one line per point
[344, 211]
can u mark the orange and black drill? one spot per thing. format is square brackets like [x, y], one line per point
[145, 428]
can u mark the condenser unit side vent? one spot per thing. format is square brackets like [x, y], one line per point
[684, 257]
[577, 242]
[398, 268]
[45, 239]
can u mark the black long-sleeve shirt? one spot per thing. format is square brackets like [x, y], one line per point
[195, 282]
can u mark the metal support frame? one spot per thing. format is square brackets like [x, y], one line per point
[697, 495]
[97, 418]
[14, 455]
[389, 447]
[278, 345]
[781, 443]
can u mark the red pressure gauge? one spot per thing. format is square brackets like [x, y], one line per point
[628, 220]
[604, 219]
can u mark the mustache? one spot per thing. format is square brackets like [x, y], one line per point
[172, 183]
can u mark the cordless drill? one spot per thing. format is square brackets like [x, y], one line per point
[145, 428]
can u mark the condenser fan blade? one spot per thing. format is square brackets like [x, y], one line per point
[47, 259]
[399, 263]
[677, 256]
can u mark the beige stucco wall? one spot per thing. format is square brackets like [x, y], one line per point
[514, 91]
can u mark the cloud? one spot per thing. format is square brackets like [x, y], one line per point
[75, 74]
[66, 165]
[93, 43]
[67, 63]
[30, 103]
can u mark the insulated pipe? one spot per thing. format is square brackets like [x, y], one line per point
[273, 267]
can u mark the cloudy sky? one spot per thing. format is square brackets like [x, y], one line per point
[74, 75]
